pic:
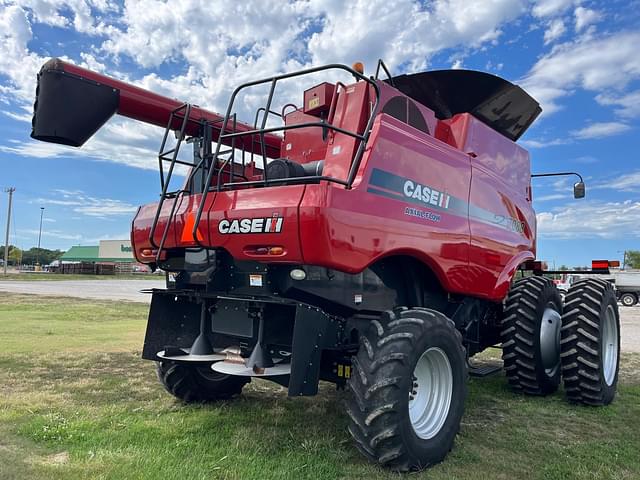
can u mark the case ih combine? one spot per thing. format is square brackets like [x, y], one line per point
[376, 236]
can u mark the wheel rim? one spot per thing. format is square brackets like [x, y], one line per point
[550, 327]
[431, 392]
[627, 300]
[609, 345]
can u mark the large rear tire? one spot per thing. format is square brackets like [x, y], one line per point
[591, 342]
[531, 336]
[408, 385]
[197, 384]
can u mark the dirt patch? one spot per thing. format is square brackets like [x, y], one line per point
[61, 458]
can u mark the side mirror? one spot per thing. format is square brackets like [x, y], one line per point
[578, 190]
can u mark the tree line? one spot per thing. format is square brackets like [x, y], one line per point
[29, 257]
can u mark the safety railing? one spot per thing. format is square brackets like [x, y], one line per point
[233, 135]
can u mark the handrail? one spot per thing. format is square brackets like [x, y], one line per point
[262, 131]
[165, 182]
[386, 70]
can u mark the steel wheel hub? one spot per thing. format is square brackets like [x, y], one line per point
[431, 392]
[609, 345]
[550, 340]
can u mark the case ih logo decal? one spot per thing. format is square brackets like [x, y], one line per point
[251, 225]
[427, 195]
[407, 190]
[400, 188]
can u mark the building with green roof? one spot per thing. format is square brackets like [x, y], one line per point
[80, 253]
[109, 251]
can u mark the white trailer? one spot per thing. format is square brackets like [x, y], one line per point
[627, 287]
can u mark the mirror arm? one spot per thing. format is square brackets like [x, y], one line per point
[557, 175]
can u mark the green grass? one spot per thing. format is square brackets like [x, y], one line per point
[77, 402]
[27, 276]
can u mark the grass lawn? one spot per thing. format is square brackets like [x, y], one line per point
[77, 402]
[27, 276]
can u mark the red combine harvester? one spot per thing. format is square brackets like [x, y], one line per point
[376, 237]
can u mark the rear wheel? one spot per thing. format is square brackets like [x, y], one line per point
[531, 336]
[591, 342]
[628, 299]
[193, 383]
[408, 389]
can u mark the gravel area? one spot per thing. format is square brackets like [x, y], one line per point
[98, 289]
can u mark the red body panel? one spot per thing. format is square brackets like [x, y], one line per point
[455, 196]
[303, 144]
[356, 227]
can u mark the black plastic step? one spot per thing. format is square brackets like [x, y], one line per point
[484, 369]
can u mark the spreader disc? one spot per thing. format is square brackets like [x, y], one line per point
[237, 369]
[188, 358]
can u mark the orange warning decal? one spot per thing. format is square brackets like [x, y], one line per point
[187, 230]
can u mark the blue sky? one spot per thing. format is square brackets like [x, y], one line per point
[578, 58]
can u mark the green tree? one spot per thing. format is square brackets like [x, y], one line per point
[12, 257]
[15, 255]
[44, 256]
[632, 258]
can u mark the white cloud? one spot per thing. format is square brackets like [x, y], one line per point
[601, 130]
[548, 8]
[585, 17]
[16, 61]
[585, 218]
[551, 196]
[629, 103]
[628, 182]
[555, 31]
[121, 141]
[594, 64]
[84, 14]
[58, 234]
[83, 204]
[533, 143]
[592, 131]
[362, 30]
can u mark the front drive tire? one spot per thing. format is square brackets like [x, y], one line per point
[198, 383]
[531, 336]
[591, 342]
[408, 385]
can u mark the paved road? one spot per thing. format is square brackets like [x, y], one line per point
[98, 289]
[130, 290]
[630, 329]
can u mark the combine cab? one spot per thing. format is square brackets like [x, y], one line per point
[371, 233]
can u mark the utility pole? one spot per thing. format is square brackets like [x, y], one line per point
[10, 191]
[39, 237]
